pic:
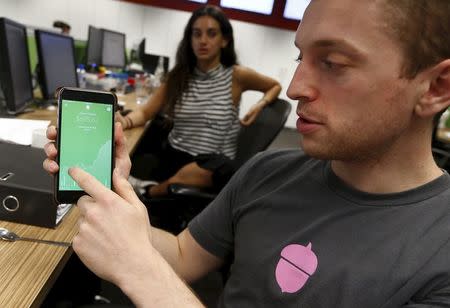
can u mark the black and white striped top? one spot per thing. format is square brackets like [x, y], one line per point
[205, 119]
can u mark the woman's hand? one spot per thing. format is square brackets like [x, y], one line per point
[252, 114]
[122, 159]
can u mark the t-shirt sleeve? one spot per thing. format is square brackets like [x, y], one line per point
[213, 228]
[437, 298]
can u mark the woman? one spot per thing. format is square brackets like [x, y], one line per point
[202, 95]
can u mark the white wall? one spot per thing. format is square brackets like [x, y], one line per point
[267, 50]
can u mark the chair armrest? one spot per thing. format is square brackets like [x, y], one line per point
[441, 152]
[186, 191]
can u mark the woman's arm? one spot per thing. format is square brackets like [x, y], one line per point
[146, 112]
[248, 79]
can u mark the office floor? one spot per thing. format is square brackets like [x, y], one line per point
[208, 288]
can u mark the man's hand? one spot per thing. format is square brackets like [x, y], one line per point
[122, 159]
[119, 118]
[115, 242]
[114, 230]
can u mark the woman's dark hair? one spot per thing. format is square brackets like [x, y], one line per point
[177, 79]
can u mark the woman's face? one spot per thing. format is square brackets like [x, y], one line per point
[207, 39]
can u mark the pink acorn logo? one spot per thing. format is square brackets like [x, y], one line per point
[296, 265]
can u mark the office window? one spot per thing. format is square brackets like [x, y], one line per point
[275, 13]
[294, 9]
[260, 6]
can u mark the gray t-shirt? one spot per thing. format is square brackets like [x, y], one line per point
[301, 237]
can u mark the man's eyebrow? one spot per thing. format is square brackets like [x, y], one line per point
[339, 45]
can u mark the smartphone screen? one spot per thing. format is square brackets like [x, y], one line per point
[86, 137]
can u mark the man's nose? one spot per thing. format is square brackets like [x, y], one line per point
[302, 85]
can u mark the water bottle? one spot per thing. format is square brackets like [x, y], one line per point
[159, 72]
[81, 74]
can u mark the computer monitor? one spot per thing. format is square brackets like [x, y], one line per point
[57, 66]
[94, 46]
[113, 49]
[150, 63]
[15, 73]
[141, 49]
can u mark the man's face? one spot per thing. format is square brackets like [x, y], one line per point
[352, 104]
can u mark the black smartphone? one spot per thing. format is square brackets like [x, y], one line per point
[85, 139]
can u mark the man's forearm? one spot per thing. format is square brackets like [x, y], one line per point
[167, 245]
[157, 285]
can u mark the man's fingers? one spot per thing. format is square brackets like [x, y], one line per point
[123, 188]
[84, 202]
[51, 133]
[119, 139]
[50, 150]
[50, 166]
[89, 184]
[122, 158]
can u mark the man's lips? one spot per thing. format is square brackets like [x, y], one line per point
[308, 119]
[307, 124]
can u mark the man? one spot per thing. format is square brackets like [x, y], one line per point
[65, 27]
[364, 223]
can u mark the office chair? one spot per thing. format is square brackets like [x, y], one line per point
[441, 151]
[184, 202]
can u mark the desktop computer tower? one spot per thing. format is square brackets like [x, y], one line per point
[26, 190]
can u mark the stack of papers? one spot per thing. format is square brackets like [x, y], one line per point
[20, 131]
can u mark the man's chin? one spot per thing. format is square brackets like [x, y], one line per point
[321, 154]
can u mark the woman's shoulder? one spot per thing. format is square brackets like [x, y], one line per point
[242, 73]
[239, 69]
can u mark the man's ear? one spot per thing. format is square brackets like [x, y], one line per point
[437, 96]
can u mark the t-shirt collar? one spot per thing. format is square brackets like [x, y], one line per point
[412, 196]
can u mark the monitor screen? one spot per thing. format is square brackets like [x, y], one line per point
[14, 65]
[141, 50]
[261, 6]
[150, 63]
[113, 49]
[57, 62]
[295, 9]
[94, 46]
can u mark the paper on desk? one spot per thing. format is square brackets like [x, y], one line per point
[62, 211]
[20, 131]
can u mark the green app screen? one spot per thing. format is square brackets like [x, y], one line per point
[86, 141]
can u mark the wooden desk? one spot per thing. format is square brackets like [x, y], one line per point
[28, 270]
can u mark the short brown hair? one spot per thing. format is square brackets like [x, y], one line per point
[422, 27]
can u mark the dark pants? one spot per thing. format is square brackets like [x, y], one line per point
[155, 159]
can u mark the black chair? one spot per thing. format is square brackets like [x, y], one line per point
[184, 202]
[441, 151]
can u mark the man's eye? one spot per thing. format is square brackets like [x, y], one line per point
[299, 58]
[331, 65]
